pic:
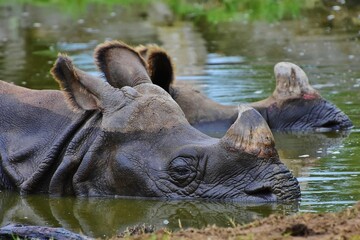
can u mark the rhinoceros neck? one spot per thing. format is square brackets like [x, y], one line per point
[199, 109]
[37, 128]
[72, 140]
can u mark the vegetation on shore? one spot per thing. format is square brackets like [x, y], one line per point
[212, 11]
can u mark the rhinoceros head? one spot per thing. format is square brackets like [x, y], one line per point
[144, 146]
[296, 105]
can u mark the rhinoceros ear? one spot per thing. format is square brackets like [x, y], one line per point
[251, 134]
[121, 64]
[292, 82]
[160, 66]
[142, 50]
[83, 91]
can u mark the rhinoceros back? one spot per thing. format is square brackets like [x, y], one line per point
[36, 126]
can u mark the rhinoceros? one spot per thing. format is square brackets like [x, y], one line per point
[92, 139]
[294, 105]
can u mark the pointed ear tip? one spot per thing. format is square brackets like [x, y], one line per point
[141, 48]
[102, 49]
[61, 59]
[160, 55]
[159, 52]
[151, 47]
[62, 62]
[107, 45]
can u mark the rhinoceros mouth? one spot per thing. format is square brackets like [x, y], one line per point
[262, 192]
[286, 189]
[333, 125]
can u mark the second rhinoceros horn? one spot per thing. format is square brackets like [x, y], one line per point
[292, 82]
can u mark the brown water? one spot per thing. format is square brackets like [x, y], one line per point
[231, 63]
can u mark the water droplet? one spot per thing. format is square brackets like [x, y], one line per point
[166, 222]
[304, 156]
[336, 8]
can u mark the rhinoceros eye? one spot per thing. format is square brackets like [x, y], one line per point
[182, 171]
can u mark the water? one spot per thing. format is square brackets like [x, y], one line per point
[232, 63]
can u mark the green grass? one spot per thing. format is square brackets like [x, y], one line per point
[212, 11]
[215, 11]
[75, 8]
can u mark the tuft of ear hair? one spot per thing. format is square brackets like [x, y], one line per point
[77, 96]
[160, 65]
[143, 50]
[63, 71]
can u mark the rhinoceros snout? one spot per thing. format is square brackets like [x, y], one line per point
[284, 188]
[333, 118]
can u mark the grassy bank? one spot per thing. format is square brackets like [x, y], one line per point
[212, 10]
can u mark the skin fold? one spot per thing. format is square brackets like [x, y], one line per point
[93, 139]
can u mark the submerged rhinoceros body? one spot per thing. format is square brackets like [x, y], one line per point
[294, 105]
[97, 140]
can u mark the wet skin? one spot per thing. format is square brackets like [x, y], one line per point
[92, 139]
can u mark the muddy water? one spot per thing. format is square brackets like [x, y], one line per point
[231, 63]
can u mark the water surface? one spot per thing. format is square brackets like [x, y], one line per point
[231, 63]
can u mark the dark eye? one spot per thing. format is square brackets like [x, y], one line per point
[182, 171]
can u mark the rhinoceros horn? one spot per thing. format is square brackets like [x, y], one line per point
[292, 82]
[120, 64]
[251, 134]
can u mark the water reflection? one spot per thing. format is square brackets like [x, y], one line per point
[30, 40]
[103, 217]
[294, 145]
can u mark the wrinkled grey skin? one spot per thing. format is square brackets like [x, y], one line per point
[97, 140]
[294, 105]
